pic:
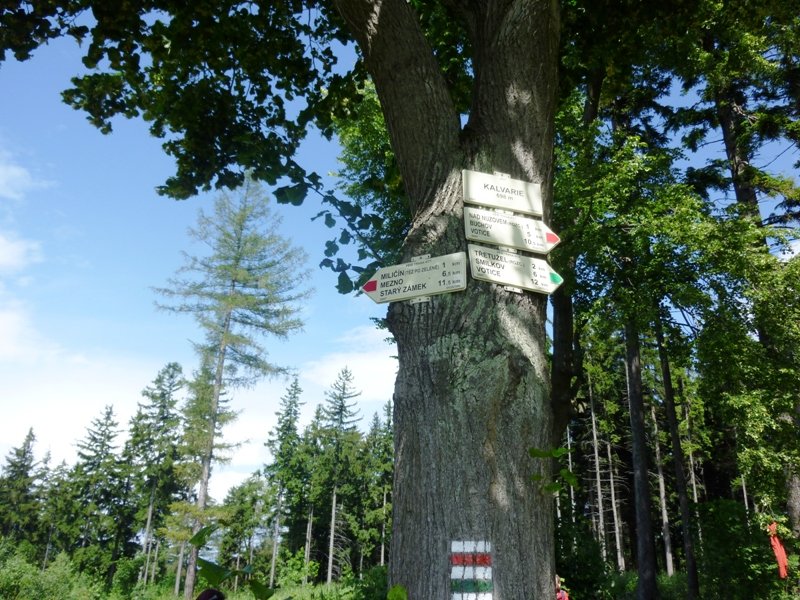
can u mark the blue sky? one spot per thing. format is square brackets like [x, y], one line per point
[84, 238]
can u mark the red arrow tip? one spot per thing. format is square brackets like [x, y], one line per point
[552, 238]
[371, 285]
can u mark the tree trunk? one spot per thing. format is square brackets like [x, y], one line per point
[179, 570]
[693, 583]
[793, 502]
[662, 498]
[472, 394]
[615, 511]
[565, 369]
[332, 534]
[250, 552]
[563, 366]
[383, 531]
[692, 468]
[731, 121]
[208, 455]
[572, 504]
[275, 531]
[307, 554]
[645, 551]
[793, 487]
[154, 564]
[744, 495]
[147, 540]
[236, 577]
[601, 524]
[462, 469]
[47, 547]
[202, 495]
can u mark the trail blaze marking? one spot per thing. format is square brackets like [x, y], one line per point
[470, 570]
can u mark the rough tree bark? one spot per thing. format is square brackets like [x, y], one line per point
[472, 391]
[601, 523]
[692, 580]
[615, 511]
[662, 497]
[645, 550]
[307, 548]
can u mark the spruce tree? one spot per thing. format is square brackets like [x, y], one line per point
[339, 446]
[153, 452]
[19, 503]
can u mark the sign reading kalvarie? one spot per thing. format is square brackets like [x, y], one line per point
[502, 192]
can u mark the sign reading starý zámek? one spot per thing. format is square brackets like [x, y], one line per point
[426, 277]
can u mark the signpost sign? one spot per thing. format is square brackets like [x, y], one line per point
[510, 268]
[502, 192]
[426, 277]
[523, 233]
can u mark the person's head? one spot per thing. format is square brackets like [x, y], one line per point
[558, 583]
[211, 594]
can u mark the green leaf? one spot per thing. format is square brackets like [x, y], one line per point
[552, 453]
[201, 538]
[292, 194]
[569, 477]
[344, 285]
[331, 248]
[348, 209]
[559, 452]
[260, 591]
[398, 592]
[329, 220]
[213, 573]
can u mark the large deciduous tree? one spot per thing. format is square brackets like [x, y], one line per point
[232, 87]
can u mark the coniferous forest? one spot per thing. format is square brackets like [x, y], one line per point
[670, 404]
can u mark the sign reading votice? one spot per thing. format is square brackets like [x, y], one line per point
[493, 227]
[427, 277]
[510, 268]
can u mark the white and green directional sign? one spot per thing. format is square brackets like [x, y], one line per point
[510, 268]
[524, 233]
[502, 192]
[425, 277]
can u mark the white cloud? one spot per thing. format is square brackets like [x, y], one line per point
[16, 180]
[61, 405]
[363, 350]
[17, 253]
[368, 357]
[58, 393]
[20, 342]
